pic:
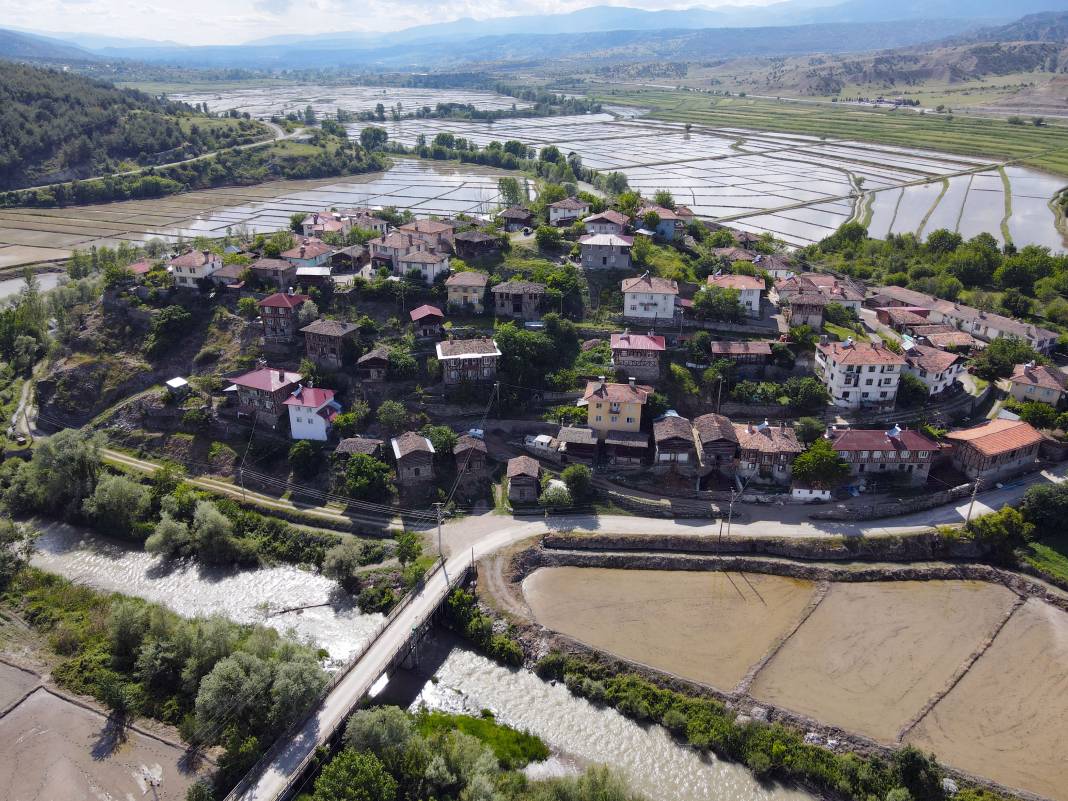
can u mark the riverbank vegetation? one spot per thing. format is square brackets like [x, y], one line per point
[389, 754]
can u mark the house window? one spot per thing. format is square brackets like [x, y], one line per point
[415, 471]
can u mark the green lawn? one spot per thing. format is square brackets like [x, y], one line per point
[1050, 556]
[514, 749]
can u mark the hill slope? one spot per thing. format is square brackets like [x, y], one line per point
[58, 126]
[30, 47]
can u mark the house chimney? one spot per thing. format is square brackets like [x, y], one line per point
[302, 251]
[311, 383]
[601, 379]
[282, 376]
[631, 381]
[749, 427]
[782, 426]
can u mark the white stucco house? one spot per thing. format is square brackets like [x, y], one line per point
[649, 298]
[748, 288]
[859, 374]
[311, 412]
[190, 267]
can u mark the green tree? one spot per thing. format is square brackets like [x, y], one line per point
[392, 415]
[943, 242]
[556, 497]
[664, 199]
[248, 308]
[443, 439]
[61, 474]
[169, 326]
[629, 203]
[998, 359]
[919, 774]
[717, 303]
[309, 115]
[1038, 414]
[296, 223]
[509, 191]
[650, 220]
[296, 686]
[1000, 533]
[213, 534]
[170, 538]
[305, 458]
[373, 138]
[355, 776]
[409, 547]
[236, 688]
[548, 237]
[911, 391]
[366, 478]
[1045, 506]
[117, 505]
[641, 252]
[579, 481]
[348, 424]
[342, 563]
[809, 429]
[820, 466]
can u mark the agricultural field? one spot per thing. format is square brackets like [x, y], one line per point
[38, 235]
[267, 101]
[797, 186]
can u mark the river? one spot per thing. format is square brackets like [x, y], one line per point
[451, 677]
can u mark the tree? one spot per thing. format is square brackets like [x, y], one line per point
[629, 203]
[998, 359]
[717, 303]
[61, 474]
[384, 731]
[307, 314]
[509, 191]
[1015, 303]
[820, 466]
[443, 439]
[236, 688]
[1038, 414]
[547, 237]
[248, 308]
[297, 684]
[809, 429]
[392, 415]
[919, 774]
[366, 478]
[650, 220]
[296, 222]
[304, 458]
[911, 391]
[348, 424]
[117, 505]
[355, 776]
[641, 251]
[579, 481]
[1001, 532]
[309, 115]
[1045, 506]
[168, 327]
[555, 497]
[664, 199]
[213, 534]
[409, 547]
[342, 563]
[170, 538]
[373, 138]
[943, 242]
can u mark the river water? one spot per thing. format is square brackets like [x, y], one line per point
[451, 676]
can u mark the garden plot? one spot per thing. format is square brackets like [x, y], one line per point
[266, 102]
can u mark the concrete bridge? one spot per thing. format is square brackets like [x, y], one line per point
[279, 772]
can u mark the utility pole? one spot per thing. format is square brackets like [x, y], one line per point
[971, 505]
[730, 511]
[437, 508]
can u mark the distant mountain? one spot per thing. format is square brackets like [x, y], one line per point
[1047, 27]
[16, 46]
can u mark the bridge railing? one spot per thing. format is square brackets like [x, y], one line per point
[284, 739]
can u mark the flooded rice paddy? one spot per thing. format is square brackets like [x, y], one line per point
[890, 660]
[578, 732]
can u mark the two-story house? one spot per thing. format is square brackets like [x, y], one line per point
[467, 291]
[638, 355]
[391, 248]
[318, 223]
[719, 443]
[649, 299]
[326, 342]
[614, 407]
[518, 299]
[374, 365]
[766, 452]
[667, 221]
[468, 360]
[309, 253]
[191, 267]
[524, 479]
[262, 392]
[859, 374]
[311, 413]
[606, 251]
[607, 222]
[365, 219]
[414, 456]
[898, 454]
[567, 211]
[429, 264]
[278, 273]
[1038, 382]
[748, 287]
[427, 320]
[995, 449]
[437, 235]
[516, 218]
[674, 441]
[939, 370]
[279, 315]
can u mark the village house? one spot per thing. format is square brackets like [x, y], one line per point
[468, 360]
[429, 265]
[945, 337]
[470, 454]
[719, 443]
[318, 276]
[365, 219]
[606, 251]
[774, 264]
[674, 441]
[577, 443]
[567, 211]
[390, 249]
[518, 299]
[311, 413]
[318, 223]
[309, 253]
[939, 370]
[735, 254]
[467, 291]
[859, 374]
[607, 222]
[427, 320]
[279, 315]
[902, 318]
[278, 273]
[898, 454]
[803, 306]
[262, 392]
[614, 407]
[475, 244]
[524, 479]
[830, 289]
[414, 456]
[516, 218]
[995, 450]
[649, 298]
[757, 352]
[748, 288]
[366, 446]
[637, 355]
[191, 267]
[626, 448]
[1038, 382]
[665, 228]
[229, 276]
[766, 453]
[436, 235]
[373, 365]
[327, 341]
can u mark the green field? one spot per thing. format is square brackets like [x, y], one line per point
[1044, 148]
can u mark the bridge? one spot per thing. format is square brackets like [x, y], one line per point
[279, 772]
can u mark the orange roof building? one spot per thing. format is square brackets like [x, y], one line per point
[995, 449]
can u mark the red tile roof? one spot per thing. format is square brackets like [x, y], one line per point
[523, 466]
[425, 311]
[616, 393]
[467, 278]
[767, 438]
[284, 300]
[268, 379]
[310, 396]
[713, 427]
[933, 360]
[1039, 375]
[409, 442]
[611, 216]
[628, 341]
[672, 427]
[739, 282]
[308, 249]
[997, 436]
[139, 267]
[651, 284]
[194, 258]
[860, 353]
[428, 227]
[570, 203]
[866, 439]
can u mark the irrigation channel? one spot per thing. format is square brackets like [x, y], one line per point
[450, 675]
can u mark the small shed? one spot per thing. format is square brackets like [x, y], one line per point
[178, 387]
[427, 320]
[524, 474]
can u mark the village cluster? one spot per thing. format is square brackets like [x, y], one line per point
[912, 333]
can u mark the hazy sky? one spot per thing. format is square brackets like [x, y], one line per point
[236, 21]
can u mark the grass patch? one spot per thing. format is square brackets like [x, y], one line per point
[1050, 556]
[843, 333]
[514, 749]
[1007, 186]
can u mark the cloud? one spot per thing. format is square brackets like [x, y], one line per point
[276, 7]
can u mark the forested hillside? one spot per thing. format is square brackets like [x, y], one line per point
[59, 126]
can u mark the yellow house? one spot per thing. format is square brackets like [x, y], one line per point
[614, 407]
[467, 290]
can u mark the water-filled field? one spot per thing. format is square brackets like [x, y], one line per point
[890, 660]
